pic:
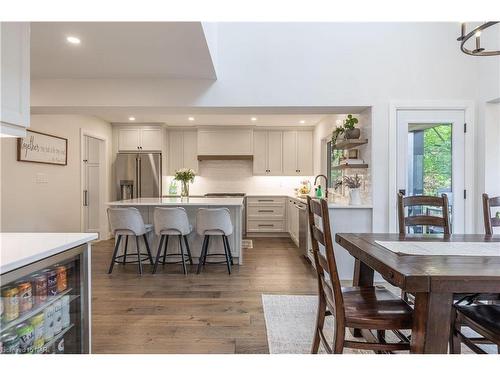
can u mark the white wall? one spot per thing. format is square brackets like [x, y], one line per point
[54, 206]
[300, 64]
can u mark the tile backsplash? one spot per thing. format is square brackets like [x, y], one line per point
[216, 176]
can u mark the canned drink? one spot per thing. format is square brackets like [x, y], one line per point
[39, 331]
[57, 317]
[26, 335]
[25, 296]
[40, 288]
[62, 279]
[65, 311]
[10, 343]
[48, 320]
[10, 296]
[51, 283]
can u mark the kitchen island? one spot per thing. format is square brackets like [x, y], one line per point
[146, 207]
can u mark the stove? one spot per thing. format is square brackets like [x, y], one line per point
[234, 195]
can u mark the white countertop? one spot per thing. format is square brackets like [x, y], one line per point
[304, 200]
[175, 201]
[20, 249]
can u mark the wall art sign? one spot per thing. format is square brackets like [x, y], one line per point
[43, 148]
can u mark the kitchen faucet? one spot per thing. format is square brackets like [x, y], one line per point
[326, 183]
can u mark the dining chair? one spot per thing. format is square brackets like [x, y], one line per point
[482, 319]
[425, 219]
[367, 308]
[490, 222]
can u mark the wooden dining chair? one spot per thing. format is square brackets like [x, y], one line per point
[366, 308]
[416, 220]
[483, 319]
[490, 222]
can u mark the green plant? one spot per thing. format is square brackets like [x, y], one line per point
[352, 182]
[349, 122]
[185, 175]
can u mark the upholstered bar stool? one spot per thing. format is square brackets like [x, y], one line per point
[214, 222]
[172, 222]
[127, 221]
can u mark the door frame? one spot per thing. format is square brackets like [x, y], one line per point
[469, 140]
[103, 187]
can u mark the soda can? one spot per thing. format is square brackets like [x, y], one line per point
[25, 296]
[51, 283]
[39, 327]
[57, 317]
[26, 335]
[40, 288]
[62, 278]
[48, 322]
[10, 296]
[10, 343]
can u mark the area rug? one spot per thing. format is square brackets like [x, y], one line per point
[290, 321]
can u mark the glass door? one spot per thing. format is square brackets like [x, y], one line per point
[431, 162]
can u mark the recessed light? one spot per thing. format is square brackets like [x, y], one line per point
[191, 118]
[254, 119]
[73, 40]
[302, 121]
[131, 118]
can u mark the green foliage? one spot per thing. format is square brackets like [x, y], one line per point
[437, 158]
[349, 122]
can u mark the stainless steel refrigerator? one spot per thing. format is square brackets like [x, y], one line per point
[138, 175]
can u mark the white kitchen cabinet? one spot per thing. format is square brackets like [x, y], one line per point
[293, 221]
[182, 150]
[15, 78]
[297, 153]
[140, 139]
[225, 142]
[266, 215]
[267, 153]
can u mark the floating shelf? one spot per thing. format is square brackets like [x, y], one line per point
[349, 166]
[349, 143]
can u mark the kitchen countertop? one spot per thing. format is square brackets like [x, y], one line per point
[175, 201]
[304, 200]
[20, 249]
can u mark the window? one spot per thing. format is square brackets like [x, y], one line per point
[333, 158]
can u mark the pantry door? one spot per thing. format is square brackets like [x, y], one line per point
[92, 183]
[431, 161]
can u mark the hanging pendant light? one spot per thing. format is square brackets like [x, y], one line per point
[464, 37]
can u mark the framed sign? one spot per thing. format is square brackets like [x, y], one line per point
[43, 148]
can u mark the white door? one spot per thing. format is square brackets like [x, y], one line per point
[290, 153]
[175, 151]
[260, 153]
[430, 158]
[274, 152]
[128, 139]
[151, 140]
[304, 153]
[190, 149]
[93, 149]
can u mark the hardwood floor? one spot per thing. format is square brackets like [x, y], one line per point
[208, 313]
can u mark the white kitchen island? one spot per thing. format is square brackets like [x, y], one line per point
[191, 204]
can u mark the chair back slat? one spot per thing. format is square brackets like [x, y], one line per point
[326, 266]
[489, 221]
[416, 220]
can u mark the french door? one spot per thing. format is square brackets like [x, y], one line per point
[430, 160]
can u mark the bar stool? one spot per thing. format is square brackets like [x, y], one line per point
[127, 221]
[172, 222]
[214, 222]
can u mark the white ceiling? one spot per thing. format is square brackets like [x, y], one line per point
[120, 50]
[205, 116]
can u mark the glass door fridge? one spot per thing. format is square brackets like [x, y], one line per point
[45, 306]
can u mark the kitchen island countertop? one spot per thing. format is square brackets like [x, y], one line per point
[176, 201]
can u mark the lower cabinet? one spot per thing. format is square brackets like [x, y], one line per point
[266, 214]
[293, 221]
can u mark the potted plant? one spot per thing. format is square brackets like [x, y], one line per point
[185, 176]
[339, 130]
[353, 183]
[350, 132]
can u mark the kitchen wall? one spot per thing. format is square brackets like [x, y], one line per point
[221, 176]
[27, 206]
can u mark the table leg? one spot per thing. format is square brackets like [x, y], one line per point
[431, 323]
[363, 276]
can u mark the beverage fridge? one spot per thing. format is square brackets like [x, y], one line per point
[138, 175]
[45, 306]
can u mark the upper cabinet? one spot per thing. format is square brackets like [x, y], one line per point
[182, 150]
[140, 139]
[267, 151]
[227, 142]
[15, 78]
[298, 153]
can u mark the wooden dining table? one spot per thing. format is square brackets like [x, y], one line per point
[432, 279]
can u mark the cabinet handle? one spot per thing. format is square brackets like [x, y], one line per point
[266, 210]
[85, 198]
[265, 200]
[266, 225]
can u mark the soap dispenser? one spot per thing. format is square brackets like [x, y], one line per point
[319, 192]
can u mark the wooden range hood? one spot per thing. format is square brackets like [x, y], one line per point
[225, 157]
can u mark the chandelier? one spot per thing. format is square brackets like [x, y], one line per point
[478, 51]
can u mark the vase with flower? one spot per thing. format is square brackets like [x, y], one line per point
[185, 176]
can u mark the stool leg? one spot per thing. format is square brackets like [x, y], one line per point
[117, 245]
[188, 249]
[139, 263]
[206, 251]
[165, 250]
[125, 252]
[228, 261]
[200, 260]
[229, 249]
[148, 249]
[158, 253]
[181, 250]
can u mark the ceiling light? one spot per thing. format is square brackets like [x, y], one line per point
[254, 119]
[73, 40]
[191, 118]
[465, 36]
[302, 121]
[131, 118]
